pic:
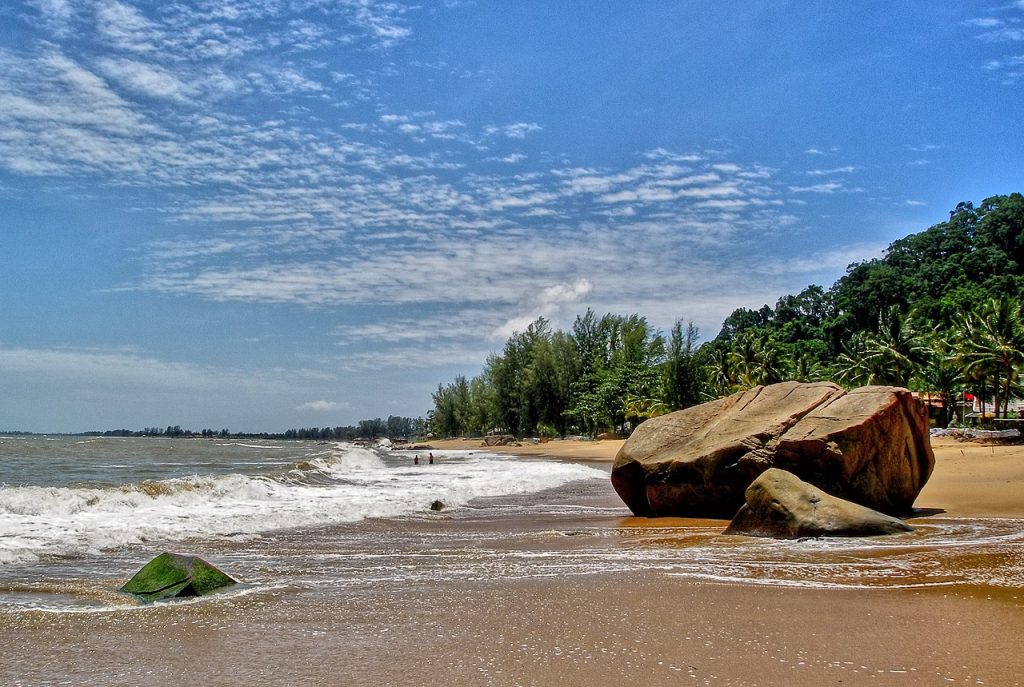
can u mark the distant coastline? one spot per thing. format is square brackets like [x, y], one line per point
[394, 427]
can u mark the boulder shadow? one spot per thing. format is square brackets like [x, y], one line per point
[925, 513]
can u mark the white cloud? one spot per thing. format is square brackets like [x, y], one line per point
[322, 406]
[1006, 69]
[548, 303]
[511, 201]
[1003, 34]
[833, 260]
[663, 154]
[130, 372]
[724, 204]
[829, 187]
[282, 207]
[829, 172]
[414, 357]
[381, 20]
[57, 15]
[144, 78]
[984, 22]
[125, 27]
[519, 130]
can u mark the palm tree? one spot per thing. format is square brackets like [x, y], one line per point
[756, 360]
[642, 408]
[896, 352]
[804, 368]
[769, 363]
[723, 377]
[853, 369]
[940, 374]
[743, 361]
[992, 347]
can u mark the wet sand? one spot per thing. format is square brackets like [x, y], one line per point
[595, 631]
[475, 598]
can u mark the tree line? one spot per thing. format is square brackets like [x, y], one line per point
[394, 427]
[939, 313]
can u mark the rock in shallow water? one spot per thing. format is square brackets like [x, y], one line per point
[779, 504]
[869, 446]
[175, 575]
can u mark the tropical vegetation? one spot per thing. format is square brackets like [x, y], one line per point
[939, 313]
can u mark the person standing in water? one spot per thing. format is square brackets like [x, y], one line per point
[416, 460]
[431, 458]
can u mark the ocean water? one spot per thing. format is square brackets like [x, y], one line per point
[64, 497]
[78, 516]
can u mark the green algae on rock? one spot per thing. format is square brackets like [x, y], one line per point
[172, 575]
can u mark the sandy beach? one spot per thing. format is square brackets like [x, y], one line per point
[970, 478]
[579, 596]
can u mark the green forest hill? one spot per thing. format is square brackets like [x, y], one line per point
[940, 313]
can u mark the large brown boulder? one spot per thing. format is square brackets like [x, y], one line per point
[779, 504]
[869, 445]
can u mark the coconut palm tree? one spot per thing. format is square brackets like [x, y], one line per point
[852, 366]
[940, 374]
[769, 363]
[722, 376]
[897, 351]
[804, 368]
[641, 408]
[756, 360]
[992, 347]
[743, 361]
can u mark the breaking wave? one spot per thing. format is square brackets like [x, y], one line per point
[342, 484]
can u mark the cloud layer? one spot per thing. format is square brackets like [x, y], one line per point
[286, 155]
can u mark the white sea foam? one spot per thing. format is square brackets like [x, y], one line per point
[70, 604]
[342, 484]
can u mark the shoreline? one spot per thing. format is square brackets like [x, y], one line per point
[478, 597]
[307, 623]
[970, 479]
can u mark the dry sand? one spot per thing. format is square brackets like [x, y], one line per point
[976, 479]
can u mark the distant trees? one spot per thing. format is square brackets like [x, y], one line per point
[394, 427]
[940, 312]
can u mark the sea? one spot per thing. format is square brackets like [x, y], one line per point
[80, 515]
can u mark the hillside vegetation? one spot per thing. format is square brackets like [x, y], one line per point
[940, 312]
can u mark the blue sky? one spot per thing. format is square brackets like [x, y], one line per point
[276, 213]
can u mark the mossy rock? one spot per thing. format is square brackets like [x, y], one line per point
[171, 575]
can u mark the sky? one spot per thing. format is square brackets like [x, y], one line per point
[264, 214]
